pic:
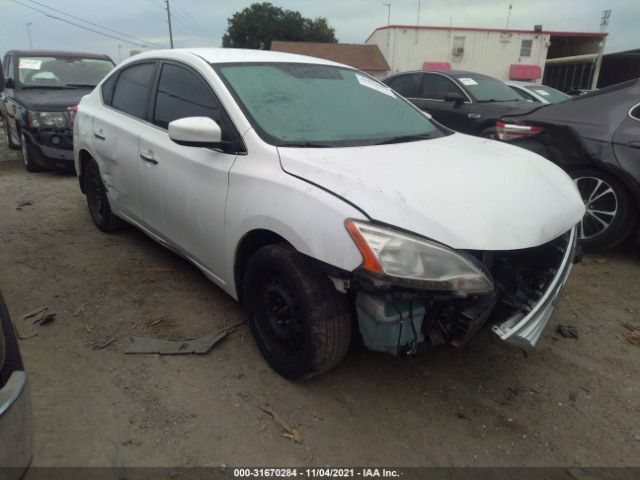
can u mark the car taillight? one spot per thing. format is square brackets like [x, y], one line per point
[509, 131]
[72, 113]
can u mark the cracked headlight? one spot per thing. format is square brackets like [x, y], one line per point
[421, 262]
[47, 120]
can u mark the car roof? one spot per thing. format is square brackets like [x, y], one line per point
[236, 55]
[57, 53]
[448, 73]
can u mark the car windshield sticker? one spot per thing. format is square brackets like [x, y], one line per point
[468, 81]
[542, 92]
[367, 82]
[30, 64]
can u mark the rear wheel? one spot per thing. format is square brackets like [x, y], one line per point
[610, 214]
[97, 200]
[301, 324]
[27, 155]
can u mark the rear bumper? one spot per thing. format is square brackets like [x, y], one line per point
[525, 330]
[15, 426]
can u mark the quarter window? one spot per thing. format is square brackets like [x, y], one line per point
[434, 87]
[525, 48]
[131, 93]
[181, 94]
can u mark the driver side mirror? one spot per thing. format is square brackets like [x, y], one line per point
[196, 132]
[455, 97]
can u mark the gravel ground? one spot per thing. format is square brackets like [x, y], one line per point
[571, 402]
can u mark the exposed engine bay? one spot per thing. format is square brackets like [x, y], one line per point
[527, 283]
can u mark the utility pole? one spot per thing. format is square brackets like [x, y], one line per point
[419, 2]
[119, 53]
[509, 14]
[29, 34]
[169, 20]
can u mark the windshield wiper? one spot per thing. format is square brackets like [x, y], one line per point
[80, 85]
[305, 145]
[405, 138]
[498, 101]
[54, 87]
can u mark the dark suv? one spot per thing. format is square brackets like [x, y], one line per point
[38, 93]
[467, 102]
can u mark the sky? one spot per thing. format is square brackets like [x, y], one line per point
[203, 22]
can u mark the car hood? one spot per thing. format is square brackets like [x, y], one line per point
[463, 191]
[50, 100]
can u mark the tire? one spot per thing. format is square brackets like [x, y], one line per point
[301, 324]
[12, 360]
[27, 155]
[98, 201]
[598, 230]
[7, 136]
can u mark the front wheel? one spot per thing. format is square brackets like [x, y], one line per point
[610, 214]
[301, 324]
[27, 155]
[97, 200]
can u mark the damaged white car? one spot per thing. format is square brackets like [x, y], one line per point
[326, 203]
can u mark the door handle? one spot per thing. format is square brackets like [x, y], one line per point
[149, 158]
[634, 145]
[99, 136]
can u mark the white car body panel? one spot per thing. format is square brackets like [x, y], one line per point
[500, 198]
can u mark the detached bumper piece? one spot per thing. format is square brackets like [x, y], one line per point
[525, 328]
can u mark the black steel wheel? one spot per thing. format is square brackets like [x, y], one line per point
[610, 214]
[301, 324]
[98, 201]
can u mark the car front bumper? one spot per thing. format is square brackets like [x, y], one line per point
[525, 330]
[16, 432]
[48, 154]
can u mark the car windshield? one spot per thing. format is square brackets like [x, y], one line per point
[62, 72]
[551, 95]
[487, 89]
[309, 105]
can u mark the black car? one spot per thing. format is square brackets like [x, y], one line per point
[464, 101]
[596, 139]
[37, 94]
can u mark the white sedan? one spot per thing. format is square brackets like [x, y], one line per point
[534, 92]
[325, 203]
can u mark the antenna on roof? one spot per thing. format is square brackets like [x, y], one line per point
[509, 14]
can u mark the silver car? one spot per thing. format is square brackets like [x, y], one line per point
[15, 403]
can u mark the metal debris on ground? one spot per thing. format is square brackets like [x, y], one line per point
[105, 344]
[287, 430]
[24, 203]
[40, 316]
[567, 331]
[199, 345]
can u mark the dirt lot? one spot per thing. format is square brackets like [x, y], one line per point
[570, 402]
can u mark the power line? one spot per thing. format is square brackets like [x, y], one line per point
[192, 20]
[137, 41]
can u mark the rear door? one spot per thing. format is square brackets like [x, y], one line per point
[116, 129]
[184, 188]
[626, 143]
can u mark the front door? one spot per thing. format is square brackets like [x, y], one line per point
[183, 188]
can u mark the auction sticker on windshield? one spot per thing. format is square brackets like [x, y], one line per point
[468, 81]
[367, 82]
[30, 64]
[542, 92]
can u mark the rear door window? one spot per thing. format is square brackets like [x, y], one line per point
[406, 85]
[131, 92]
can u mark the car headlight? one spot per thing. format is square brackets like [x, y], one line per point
[423, 263]
[48, 119]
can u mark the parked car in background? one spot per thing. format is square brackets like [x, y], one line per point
[577, 92]
[310, 191]
[464, 101]
[38, 96]
[596, 139]
[15, 403]
[534, 92]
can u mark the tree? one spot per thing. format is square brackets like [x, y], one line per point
[260, 23]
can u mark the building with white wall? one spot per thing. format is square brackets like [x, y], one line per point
[500, 53]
